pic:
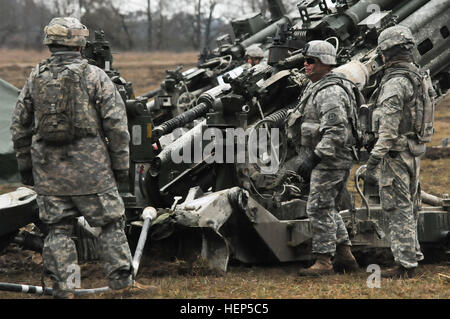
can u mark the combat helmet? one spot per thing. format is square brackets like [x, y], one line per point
[396, 35]
[322, 50]
[254, 51]
[66, 31]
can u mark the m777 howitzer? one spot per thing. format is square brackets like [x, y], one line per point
[224, 210]
[232, 210]
[181, 89]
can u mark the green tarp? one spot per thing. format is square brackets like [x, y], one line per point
[8, 164]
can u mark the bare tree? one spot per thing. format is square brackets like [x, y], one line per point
[123, 23]
[198, 24]
[149, 26]
[212, 6]
[160, 29]
[258, 6]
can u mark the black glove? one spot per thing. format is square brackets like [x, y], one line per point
[370, 175]
[308, 165]
[372, 163]
[26, 177]
[121, 176]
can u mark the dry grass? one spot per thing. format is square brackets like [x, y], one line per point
[262, 282]
[146, 71]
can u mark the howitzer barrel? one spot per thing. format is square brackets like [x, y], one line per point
[343, 24]
[205, 102]
[429, 25]
[166, 156]
[405, 9]
[439, 64]
[278, 117]
[262, 35]
[152, 93]
[425, 16]
[363, 9]
[180, 120]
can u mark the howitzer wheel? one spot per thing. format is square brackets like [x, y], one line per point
[5, 240]
[277, 150]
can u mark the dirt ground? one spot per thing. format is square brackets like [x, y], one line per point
[178, 280]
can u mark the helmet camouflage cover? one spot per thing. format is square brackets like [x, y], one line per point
[322, 50]
[395, 35]
[66, 31]
[254, 52]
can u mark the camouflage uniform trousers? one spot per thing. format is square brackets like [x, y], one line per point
[105, 210]
[399, 179]
[328, 229]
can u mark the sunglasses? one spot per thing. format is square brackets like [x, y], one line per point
[310, 60]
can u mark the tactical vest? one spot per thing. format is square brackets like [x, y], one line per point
[310, 135]
[61, 101]
[418, 112]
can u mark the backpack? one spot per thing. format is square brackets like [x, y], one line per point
[61, 101]
[422, 115]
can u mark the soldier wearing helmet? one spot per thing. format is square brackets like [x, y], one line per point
[399, 146]
[70, 135]
[254, 54]
[325, 156]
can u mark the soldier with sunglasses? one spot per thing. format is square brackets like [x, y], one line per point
[326, 157]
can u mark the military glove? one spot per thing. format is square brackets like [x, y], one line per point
[372, 163]
[308, 165]
[121, 176]
[370, 176]
[26, 177]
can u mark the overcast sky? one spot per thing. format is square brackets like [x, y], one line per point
[235, 9]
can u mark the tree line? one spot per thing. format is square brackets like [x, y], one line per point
[129, 25]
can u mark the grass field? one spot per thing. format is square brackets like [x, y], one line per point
[146, 71]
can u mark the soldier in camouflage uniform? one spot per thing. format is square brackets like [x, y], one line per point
[254, 55]
[326, 140]
[77, 175]
[398, 148]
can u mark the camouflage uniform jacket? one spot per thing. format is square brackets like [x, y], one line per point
[324, 123]
[86, 165]
[392, 119]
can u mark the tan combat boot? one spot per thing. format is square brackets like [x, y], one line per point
[322, 267]
[398, 272]
[134, 288]
[344, 261]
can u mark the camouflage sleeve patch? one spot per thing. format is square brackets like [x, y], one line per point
[393, 92]
[331, 118]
